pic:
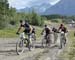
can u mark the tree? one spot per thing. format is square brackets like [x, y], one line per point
[4, 7]
[36, 19]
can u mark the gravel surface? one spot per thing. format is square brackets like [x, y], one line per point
[8, 51]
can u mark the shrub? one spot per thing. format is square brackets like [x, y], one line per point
[37, 19]
[54, 20]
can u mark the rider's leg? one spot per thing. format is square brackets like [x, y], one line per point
[65, 38]
[46, 39]
[55, 37]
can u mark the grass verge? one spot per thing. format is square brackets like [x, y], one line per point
[69, 52]
[11, 32]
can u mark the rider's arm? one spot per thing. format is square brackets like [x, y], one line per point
[19, 28]
[59, 29]
[31, 29]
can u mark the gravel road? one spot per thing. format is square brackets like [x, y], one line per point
[8, 51]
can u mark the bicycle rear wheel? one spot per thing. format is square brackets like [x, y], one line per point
[20, 47]
[48, 41]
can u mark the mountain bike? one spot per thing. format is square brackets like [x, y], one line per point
[23, 42]
[46, 41]
[62, 40]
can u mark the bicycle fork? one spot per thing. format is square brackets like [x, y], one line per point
[62, 42]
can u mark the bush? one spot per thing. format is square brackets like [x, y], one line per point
[34, 19]
[66, 20]
[12, 22]
[54, 20]
[37, 19]
[3, 22]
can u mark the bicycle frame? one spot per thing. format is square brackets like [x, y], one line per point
[62, 39]
[22, 36]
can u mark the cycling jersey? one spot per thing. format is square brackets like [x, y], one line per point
[47, 30]
[63, 29]
[54, 30]
[27, 27]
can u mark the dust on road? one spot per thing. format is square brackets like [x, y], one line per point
[8, 51]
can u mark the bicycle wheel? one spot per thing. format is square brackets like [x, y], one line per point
[33, 38]
[20, 47]
[49, 40]
[29, 43]
[61, 42]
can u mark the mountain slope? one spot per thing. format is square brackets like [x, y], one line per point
[38, 8]
[64, 7]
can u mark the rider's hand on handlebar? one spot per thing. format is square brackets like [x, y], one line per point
[17, 33]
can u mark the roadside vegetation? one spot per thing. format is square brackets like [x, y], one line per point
[69, 51]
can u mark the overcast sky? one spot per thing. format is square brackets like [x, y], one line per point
[19, 4]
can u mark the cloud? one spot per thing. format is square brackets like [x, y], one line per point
[28, 3]
[54, 2]
[19, 3]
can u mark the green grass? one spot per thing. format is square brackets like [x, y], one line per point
[69, 52]
[8, 33]
[38, 31]
[71, 35]
[11, 32]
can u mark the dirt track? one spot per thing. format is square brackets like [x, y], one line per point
[8, 52]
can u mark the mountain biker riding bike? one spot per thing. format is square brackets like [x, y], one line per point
[62, 28]
[27, 28]
[47, 32]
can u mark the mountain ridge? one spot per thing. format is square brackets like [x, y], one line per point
[64, 7]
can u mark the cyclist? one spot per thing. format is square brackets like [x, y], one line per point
[27, 30]
[62, 28]
[47, 32]
[26, 26]
[55, 34]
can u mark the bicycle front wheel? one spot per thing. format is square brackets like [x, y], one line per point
[20, 47]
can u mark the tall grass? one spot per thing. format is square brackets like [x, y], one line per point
[11, 32]
[69, 52]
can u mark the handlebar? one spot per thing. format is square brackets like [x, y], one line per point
[17, 33]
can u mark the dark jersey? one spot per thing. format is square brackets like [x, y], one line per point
[47, 30]
[63, 29]
[26, 26]
[21, 25]
[54, 30]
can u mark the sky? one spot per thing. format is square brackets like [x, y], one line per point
[19, 4]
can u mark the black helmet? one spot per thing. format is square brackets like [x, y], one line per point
[45, 25]
[61, 25]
